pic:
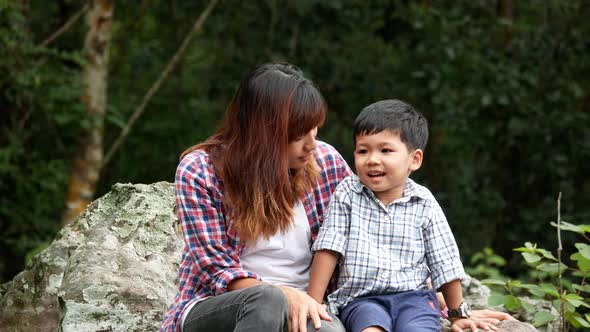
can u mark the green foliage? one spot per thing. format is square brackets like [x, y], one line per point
[41, 118]
[507, 104]
[485, 264]
[571, 298]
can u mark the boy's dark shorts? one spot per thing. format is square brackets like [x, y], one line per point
[404, 312]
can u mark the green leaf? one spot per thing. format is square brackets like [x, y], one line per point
[584, 249]
[514, 283]
[512, 303]
[530, 258]
[585, 288]
[547, 254]
[580, 229]
[493, 282]
[496, 300]
[550, 289]
[535, 290]
[582, 262]
[529, 307]
[580, 320]
[575, 300]
[497, 260]
[551, 267]
[542, 317]
[528, 247]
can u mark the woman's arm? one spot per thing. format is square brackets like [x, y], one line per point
[322, 268]
[213, 249]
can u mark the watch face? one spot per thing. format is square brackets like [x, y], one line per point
[466, 309]
[463, 311]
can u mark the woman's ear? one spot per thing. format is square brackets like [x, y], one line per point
[416, 159]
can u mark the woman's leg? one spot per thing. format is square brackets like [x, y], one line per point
[334, 326]
[259, 308]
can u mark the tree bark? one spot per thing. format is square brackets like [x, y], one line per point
[87, 163]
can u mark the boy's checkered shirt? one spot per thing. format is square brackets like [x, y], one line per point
[387, 249]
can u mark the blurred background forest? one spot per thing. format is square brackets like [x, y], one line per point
[505, 85]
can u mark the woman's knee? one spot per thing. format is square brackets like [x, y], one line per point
[327, 326]
[272, 296]
[269, 300]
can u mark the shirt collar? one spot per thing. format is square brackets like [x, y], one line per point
[411, 189]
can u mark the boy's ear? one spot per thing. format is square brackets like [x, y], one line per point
[416, 159]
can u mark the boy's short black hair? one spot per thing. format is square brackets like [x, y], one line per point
[396, 116]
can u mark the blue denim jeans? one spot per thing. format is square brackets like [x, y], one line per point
[413, 311]
[259, 308]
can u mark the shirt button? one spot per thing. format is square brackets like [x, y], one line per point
[386, 218]
[385, 275]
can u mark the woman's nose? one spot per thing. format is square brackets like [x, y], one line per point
[311, 143]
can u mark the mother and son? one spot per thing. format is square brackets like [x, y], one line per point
[282, 236]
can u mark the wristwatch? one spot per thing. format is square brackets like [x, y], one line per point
[464, 311]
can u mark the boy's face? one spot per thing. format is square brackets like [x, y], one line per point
[383, 164]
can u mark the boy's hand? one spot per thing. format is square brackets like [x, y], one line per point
[460, 324]
[302, 307]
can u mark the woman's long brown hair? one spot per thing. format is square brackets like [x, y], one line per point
[273, 106]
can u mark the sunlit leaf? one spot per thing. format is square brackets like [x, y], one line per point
[581, 321]
[496, 300]
[553, 268]
[530, 258]
[582, 262]
[549, 289]
[493, 282]
[542, 318]
[512, 303]
[584, 249]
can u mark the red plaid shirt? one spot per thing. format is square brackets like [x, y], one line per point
[211, 256]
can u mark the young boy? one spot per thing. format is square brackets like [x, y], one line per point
[388, 234]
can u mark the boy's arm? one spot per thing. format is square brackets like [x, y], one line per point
[452, 293]
[454, 297]
[324, 263]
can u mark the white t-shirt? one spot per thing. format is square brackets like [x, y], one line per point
[283, 259]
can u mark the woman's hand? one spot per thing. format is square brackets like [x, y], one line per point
[490, 316]
[302, 307]
[458, 325]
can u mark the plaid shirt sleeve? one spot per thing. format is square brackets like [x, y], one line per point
[200, 210]
[333, 234]
[442, 253]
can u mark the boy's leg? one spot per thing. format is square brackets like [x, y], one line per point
[334, 326]
[364, 313]
[259, 308]
[417, 311]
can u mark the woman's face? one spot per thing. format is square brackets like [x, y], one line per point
[301, 149]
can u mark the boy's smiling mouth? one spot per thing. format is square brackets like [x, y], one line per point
[374, 174]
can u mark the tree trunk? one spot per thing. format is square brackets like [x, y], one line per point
[87, 163]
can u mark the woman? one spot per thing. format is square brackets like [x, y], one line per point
[250, 201]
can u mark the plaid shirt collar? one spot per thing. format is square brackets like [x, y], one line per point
[410, 190]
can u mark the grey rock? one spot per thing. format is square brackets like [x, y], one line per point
[116, 268]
